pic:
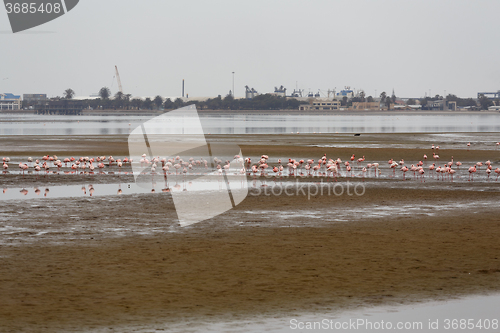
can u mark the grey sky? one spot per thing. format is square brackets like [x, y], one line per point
[411, 46]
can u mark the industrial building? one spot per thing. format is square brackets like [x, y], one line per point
[10, 101]
[441, 105]
[250, 92]
[347, 92]
[365, 106]
[281, 91]
[490, 95]
[321, 105]
[30, 98]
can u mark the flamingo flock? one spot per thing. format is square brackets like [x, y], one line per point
[81, 164]
[321, 167]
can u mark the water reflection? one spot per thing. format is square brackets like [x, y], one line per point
[256, 124]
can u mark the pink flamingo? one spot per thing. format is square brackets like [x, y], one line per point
[332, 168]
[394, 165]
[316, 168]
[404, 169]
[23, 167]
[414, 169]
[308, 169]
[451, 172]
[375, 165]
[497, 171]
[468, 145]
[458, 164]
[472, 169]
[421, 172]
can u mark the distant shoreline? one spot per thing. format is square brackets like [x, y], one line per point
[267, 112]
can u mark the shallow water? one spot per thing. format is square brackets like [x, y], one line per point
[441, 316]
[264, 123]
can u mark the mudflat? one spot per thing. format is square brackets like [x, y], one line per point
[274, 255]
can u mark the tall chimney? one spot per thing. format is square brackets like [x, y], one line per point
[182, 87]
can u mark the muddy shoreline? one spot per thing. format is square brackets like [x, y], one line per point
[95, 263]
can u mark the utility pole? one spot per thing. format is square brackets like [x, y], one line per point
[233, 85]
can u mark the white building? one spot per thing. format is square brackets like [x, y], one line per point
[10, 102]
[321, 104]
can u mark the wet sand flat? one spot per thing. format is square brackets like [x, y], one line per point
[248, 261]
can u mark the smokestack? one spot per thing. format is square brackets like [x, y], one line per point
[182, 87]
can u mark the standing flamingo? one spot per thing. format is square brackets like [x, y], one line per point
[472, 169]
[451, 172]
[497, 171]
[404, 169]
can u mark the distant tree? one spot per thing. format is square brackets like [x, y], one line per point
[411, 101]
[118, 101]
[126, 100]
[104, 93]
[147, 104]
[484, 102]
[228, 101]
[168, 104]
[362, 96]
[292, 103]
[178, 102]
[383, 95]
[119, 96]
[370, 99]
[69, 93]
[136, 103]
[451, 97]
[158, 101]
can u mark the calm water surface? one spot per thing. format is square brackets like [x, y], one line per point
[257, 123]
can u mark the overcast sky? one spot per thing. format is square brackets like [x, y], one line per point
[411, 46]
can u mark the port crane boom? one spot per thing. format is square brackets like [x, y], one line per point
[118, 79]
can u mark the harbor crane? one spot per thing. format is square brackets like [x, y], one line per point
[118, 79]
